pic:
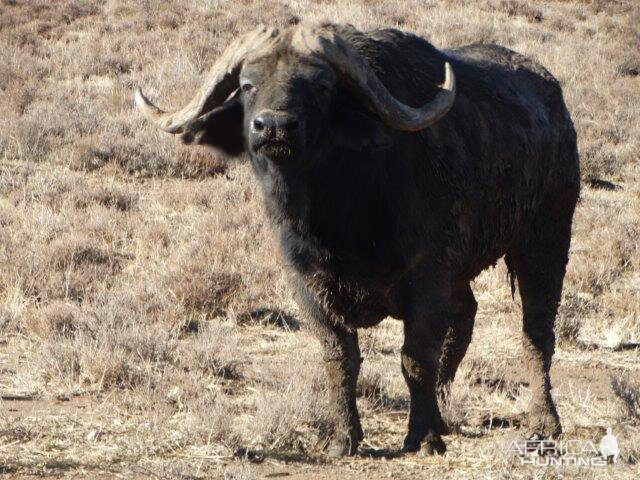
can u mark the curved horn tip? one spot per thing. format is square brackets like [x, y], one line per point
[449, 77]
[140, 100]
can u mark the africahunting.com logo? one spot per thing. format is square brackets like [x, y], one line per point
[549, 453]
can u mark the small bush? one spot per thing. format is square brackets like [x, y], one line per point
[515, 8]
[56, 319]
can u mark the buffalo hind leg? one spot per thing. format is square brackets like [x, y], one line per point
[539, 265]
[341, 355]
[457, 339]
[423, 338]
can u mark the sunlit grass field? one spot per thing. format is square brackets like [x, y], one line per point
[146, 326]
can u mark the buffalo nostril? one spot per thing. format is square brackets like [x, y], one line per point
[258, 124]
[292, 124]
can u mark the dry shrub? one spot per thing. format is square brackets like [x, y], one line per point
[25, 140]
[515, 8]
[213, 350]
[292, 410]
[563, 25]
[61, 359]
[629, 68]
[9, 320]
[269, 317]
[75, 267]
[629, 393]
[143, 160]
[107, 358]
[203, 290]
[144, 302]
[604, 249]
[211, 415]
[482, 393]
[374, 389]
[107, 369]
[571, 315]
[56, 319]
[67, 254]
[110, 197]
[608, 7]
[47, 256]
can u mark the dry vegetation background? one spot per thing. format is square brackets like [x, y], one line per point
[146, 329]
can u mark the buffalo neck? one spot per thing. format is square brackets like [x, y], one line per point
[340, 212]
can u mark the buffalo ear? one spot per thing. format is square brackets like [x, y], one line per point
[355, 130]
[220, 128]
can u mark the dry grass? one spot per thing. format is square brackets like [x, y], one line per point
[145, 320]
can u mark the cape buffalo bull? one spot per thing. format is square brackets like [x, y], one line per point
[391, 193]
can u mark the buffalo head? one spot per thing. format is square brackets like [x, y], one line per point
[275, 93]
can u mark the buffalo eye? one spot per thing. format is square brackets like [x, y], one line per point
[322, 93]
[246, 87]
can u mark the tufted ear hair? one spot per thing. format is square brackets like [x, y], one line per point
[220, 128]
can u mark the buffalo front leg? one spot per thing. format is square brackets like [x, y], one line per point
[342, 365]
[421, 353]
[341, 355]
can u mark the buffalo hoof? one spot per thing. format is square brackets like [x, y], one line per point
[412, 443]
[545, 432]
[430, 444]
[433, 444]
[343, 447]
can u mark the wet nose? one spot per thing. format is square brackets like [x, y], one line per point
[268, 123]
[262, 121]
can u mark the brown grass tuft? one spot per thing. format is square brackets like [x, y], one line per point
[55, 319]
[515, 8]
[629, 392]
[204, 291]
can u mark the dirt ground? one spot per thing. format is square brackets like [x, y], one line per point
[101, 429]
